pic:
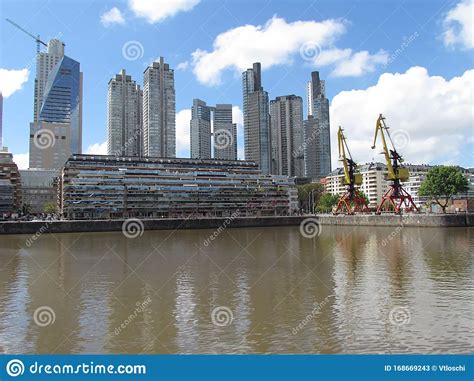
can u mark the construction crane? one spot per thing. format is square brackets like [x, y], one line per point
[352, 200]
[396, 198]
[36, 38]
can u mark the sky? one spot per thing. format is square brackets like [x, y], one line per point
[412, 61]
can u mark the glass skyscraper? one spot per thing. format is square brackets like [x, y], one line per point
[56, 132]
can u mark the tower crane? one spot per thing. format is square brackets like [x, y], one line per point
[396, 196]
[36, 38]
[352, 200]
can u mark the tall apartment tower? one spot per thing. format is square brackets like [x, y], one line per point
[124, 116]
[159, 111]
[317, 147]
[225, 133]
[257, 137]
[287, 135]
[200, 130]
[56, 132]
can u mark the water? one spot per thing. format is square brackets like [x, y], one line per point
[348, 290]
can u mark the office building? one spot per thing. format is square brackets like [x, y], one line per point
[38, 189]
[257, 139]
[45, 62]
[200, 130]
[10, 185]
[124, 116]
[159, 111]
[56, 132]
[287, 135]
[109, 187]
[317, 130]
[225, 133]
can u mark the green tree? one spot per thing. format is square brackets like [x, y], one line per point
[327, 202]
[442, 183]
[309, 195]
[50, 208]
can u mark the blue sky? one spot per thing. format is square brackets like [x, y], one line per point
[410, 60]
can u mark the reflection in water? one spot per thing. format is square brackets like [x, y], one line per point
[335, 293]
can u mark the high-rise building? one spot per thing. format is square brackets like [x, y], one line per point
[257, 137]
[319, 88]
[45, 62]
[124, 116]
[317, 139]
[200, 130]
[287, 135]
[225, 133]
[159, 111]
[1, 120]
[56, 132]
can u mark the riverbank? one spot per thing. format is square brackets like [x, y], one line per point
[88, 226]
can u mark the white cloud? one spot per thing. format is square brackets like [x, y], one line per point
[183, 118]
[430, 117]
[22, 160]
[356, 64]
[154, 11]
[275, 43]
[458, 25]
[182, 65]
[12, 80]
[113, 16]
[97, 149]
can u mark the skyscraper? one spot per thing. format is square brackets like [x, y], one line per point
[159, 111]
[225, 133]
[287, 135]
[317, 130]
[257, 137]
[1, 120]
[45, 62]
[124, 116]
[200, 130]
[56, 132]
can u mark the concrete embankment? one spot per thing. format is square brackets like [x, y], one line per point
[414, 220]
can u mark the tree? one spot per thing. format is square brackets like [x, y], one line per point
[309, 194]
[327, 202]
[50, 208]
[442, 183]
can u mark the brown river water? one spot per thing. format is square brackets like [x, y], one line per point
[248, 290]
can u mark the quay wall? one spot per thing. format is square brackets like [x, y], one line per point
[88, 226]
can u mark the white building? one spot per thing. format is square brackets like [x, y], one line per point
[225, 133]
[124, 116]
[159, 111]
